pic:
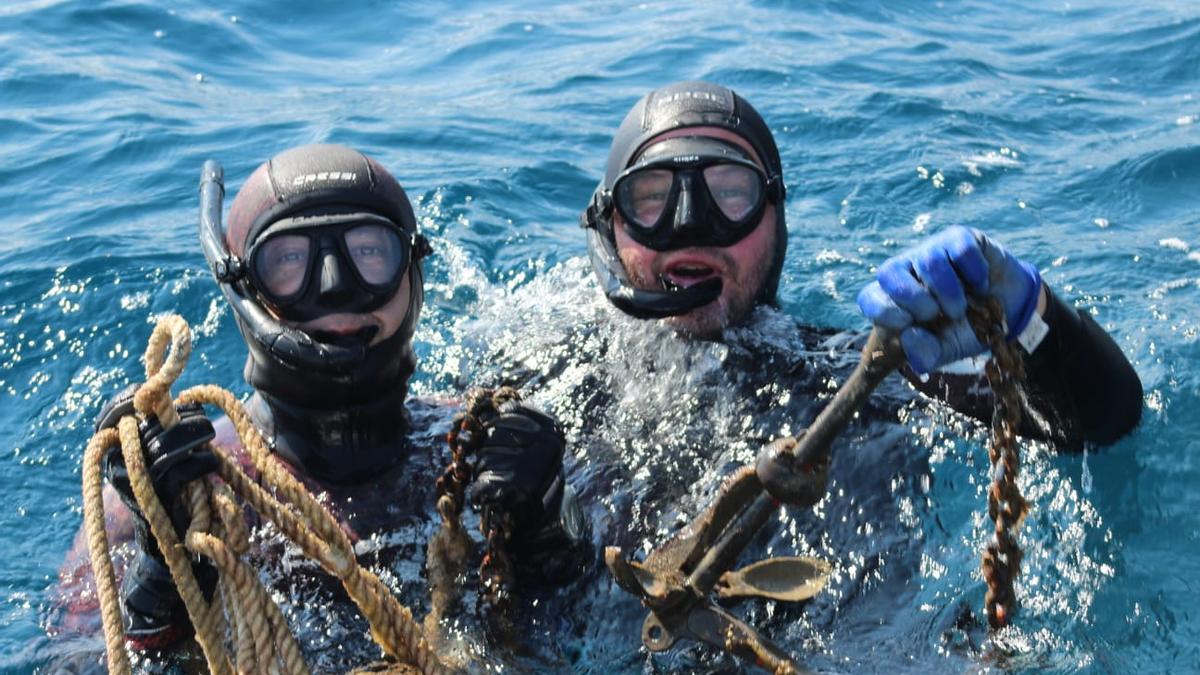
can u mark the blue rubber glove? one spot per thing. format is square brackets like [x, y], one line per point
[933, 279]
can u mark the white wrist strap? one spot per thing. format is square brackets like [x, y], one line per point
[1035, 331]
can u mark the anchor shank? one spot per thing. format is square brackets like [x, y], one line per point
[725, 551]
[743, 506]
[880, 357]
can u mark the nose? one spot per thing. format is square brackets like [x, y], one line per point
[686, 215]
[335, 286]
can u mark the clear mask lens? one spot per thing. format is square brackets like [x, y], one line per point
[736, 189]
[281, 264]
[376, 253]
[643, 196]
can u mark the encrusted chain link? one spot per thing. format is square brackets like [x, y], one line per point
[467, 434]
[1006, 506]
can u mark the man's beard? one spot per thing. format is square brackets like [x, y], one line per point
[708, 321]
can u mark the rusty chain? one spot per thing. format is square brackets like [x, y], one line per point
[496, 569]
[467, 434]
[1005, 371]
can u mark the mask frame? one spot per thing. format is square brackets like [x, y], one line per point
[356, 294]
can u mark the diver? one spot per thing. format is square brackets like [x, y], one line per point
[698, 370]
[321, 263]
[688, 225]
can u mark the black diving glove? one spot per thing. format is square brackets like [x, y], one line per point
[174, 457]
[519, 471]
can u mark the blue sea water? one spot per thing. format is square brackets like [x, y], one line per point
[1069, 130]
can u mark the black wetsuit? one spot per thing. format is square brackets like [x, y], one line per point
[655, 422]
[389, 517]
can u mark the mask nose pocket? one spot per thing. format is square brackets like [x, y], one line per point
[686, 215]
[335, 287]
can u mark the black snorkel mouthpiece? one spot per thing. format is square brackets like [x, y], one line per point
[642, 303]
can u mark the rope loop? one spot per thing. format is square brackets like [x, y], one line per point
[242, 628]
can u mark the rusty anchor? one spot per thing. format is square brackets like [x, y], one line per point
[675, 581]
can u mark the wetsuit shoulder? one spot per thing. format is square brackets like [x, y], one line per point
[76, 607]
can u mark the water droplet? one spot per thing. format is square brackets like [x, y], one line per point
[1085, 478]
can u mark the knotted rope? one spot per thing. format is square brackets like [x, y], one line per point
[241, 607]
[1001, 561]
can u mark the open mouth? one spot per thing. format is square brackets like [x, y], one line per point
[684, 275]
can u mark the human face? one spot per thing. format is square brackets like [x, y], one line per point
[742, 266]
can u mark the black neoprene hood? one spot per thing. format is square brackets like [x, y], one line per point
[334, 410]
[330, 177]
